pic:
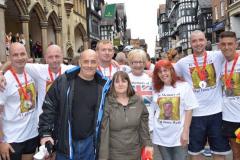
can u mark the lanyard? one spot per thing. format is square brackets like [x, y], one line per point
[51, 75]
[26, 97]
[227, 77]
[110, 71]
[202, 71]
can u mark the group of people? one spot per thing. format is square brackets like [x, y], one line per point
[102, 110]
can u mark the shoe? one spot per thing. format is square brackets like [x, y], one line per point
[207, 152]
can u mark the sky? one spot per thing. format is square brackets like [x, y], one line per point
[142, 19]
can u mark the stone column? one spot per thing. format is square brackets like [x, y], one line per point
[44, 26]
[85, 42]
[2, 34]
[58, 36]
[24, 19]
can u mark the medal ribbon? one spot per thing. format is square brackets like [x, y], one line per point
[201, 73]
[51, 75]
[26, 97]
[110, 71]
[227, 77]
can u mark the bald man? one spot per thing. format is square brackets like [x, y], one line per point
[75, 101]
[20, 134]
[44, 74]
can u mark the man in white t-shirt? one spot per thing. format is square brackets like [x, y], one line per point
[231, 89]
[202, 70]
[45, 74]
[105, 52]
[19, 120]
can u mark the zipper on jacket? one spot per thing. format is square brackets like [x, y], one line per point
[125, 112]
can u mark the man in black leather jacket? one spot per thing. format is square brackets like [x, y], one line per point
[73, 108]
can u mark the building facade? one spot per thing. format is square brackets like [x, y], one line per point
[182, 17]
[163, 31]
[220, 19]
[94, 8]
[204, 17]
[114, 23]
[61, 22]
[233, 11]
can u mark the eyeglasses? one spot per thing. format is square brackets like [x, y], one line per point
[137, 62]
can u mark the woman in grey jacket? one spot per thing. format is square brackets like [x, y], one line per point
[124, 129]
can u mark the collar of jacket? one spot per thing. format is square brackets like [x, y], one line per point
[112, 100]
[72, 73]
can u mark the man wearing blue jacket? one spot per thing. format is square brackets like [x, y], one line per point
[73, 109]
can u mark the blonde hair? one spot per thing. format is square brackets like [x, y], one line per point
[137, 53]
[104, 41]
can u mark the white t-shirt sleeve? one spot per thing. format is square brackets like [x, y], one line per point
[220, 56]
[2, 98]
[3, 95]
[177, 68]
[33, 69]
[190, 100]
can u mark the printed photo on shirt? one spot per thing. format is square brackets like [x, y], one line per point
[29, 104]
[210, 76]
[169, 108]
[234, 90]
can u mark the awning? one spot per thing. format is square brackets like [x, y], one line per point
[110, 11]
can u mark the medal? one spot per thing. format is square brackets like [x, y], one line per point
[51, 75]
[228, 78]
[25, 95]
[27, 104]
[110, 71]
[202, 84]
[201, 72]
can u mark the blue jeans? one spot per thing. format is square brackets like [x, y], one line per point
[82, 150]
[173, 153]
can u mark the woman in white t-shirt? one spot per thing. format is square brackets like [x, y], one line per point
[171, 112]
[140, 80]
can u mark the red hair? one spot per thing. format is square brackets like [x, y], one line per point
[157, 82]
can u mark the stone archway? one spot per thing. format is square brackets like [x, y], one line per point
[39, 11]
[38, 26]
[17, 19]
[54, 28]
[12, 23]
[80, 38]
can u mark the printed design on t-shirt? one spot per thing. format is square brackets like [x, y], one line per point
[169, 108]
[144, 90]
[29, 104]
[210, 76]
[234, 90]
[48, 85]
